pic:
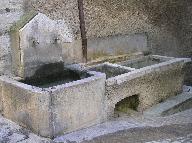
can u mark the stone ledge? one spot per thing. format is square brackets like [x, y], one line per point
[172, 105]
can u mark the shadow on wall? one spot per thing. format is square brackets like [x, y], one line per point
[172, 15]
[116, 45]
[54, 74]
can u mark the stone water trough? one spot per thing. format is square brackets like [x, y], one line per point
[56, 101]
[59, 99]
[142, 82]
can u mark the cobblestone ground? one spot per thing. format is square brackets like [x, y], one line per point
[164, 134]
[187, 139]
[12, 133]
[175, 128]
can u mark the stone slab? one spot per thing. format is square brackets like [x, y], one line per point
[172, 105]
[116, 45]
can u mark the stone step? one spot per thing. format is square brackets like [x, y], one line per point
[172, 105]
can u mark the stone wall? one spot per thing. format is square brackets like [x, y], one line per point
[10, 12]
[116, 45]
[58, 10]
[166, 22]
[5, 54]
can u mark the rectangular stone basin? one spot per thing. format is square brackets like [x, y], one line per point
[145, 61]
[58, 77]
[53, 104]
[146, 86]
[111, 70]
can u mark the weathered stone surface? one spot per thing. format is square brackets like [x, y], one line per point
[152, 83]
[11, 4]
[1, 97]
[72, 52]
[11, 132]
[111, 70]
[79, 105]
[59, 10]
[7, 19]
[5, 55]
[43, 41]
[52, 111]
[134, 127]
[166, 34]
[158, 19]
[116, 45]
[27, 106]
[188, 75]
[172, 105]
[10, 12]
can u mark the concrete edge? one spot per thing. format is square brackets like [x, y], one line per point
[146, 70]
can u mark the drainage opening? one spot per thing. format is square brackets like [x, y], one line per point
[127, 106]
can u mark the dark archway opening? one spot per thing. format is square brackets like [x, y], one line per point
[127, 105]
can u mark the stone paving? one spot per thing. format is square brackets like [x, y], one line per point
[163, 134]
[12, 133]
[127, 127]
[187, 139]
